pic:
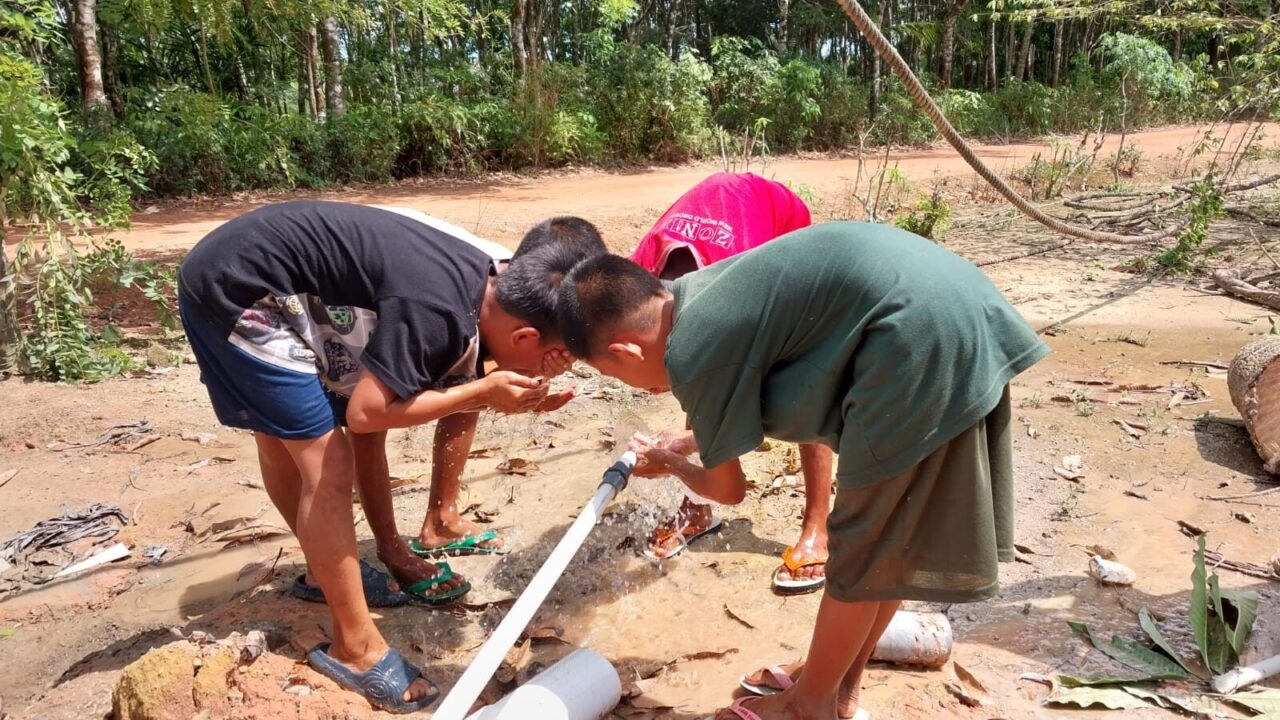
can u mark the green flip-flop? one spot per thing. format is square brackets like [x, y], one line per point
[418, 591]
[469, 545]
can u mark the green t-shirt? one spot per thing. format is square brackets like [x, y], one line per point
[868, 339]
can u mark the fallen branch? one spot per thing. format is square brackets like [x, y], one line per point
[1231, 281]
[1198, 363]
[1254, 494]
[1027, 254]
[1247, 214]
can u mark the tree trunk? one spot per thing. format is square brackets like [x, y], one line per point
[519, 51]
[313, 72]
[8, 313]
[334, 99]
[992, 73]
[1254, 383]
[1059, 30]
[784, 22]
[304, 78]
[1177, 44]
[873, 100]
[85, 28]
[1024, 55]
[1010, 47]
[204, 59]
[394, 52]
[948, 41]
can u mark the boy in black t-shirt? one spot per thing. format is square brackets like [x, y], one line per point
[319, 326]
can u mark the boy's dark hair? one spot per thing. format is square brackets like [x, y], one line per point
[527, 288]
[597, 296]
[566, 231]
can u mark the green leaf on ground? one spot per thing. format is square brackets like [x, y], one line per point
[1199, 603]
[1151, 664]
[1112, 698]
[1245, 604]
[7, 632]
[1149, 625]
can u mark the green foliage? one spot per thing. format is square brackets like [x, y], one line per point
[59, 187]
[930, 217]
[647, 105]
[1047, 177]
[1187, 253]
[1145, 67]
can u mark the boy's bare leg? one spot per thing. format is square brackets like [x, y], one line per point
[443, 524]
[373, 480]
[851, 687]
[841, 635]
[816, 464]
[325, 527]
[280, 477]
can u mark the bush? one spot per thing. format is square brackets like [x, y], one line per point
[930, 218]
[647, 105]
[843, 102]
[363, 144]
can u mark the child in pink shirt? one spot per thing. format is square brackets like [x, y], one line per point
[727, 214]
[721, 216]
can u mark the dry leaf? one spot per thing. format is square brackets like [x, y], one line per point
[483, 452]
[518, 466]
[966, 688]
[1244, 517]
[1099, 381]
[1136, 494]
[1139, 387]
[1100, 551]
[1132, 429]
[1066, 474]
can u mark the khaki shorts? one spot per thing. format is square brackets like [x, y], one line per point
[936, 532]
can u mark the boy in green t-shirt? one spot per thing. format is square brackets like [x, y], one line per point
[875, 342]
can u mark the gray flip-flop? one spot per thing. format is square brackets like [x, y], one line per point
[383, 685]
[374, 581]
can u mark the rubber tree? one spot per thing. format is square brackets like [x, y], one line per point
[334, 98]
[84, 33]
[947, 43]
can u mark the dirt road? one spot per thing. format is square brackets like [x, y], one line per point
[624, 202]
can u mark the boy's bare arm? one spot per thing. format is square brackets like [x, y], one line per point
[375, 407]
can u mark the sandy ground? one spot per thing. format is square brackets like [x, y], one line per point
[71, 638]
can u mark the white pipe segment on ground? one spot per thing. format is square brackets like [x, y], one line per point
[1243, 677]
[582, 686]
[458, 702]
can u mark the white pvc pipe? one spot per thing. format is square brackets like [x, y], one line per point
[582, 686]
[1243, 677]
[458, 702]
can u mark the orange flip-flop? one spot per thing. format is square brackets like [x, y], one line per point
[686, 538]
[796, 586]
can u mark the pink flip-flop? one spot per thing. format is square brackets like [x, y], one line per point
[738, 708]
[779, 676]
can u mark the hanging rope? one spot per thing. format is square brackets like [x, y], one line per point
[926, 104]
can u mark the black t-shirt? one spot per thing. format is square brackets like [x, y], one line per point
[358, 285]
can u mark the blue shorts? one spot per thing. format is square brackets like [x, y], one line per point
[253, 394]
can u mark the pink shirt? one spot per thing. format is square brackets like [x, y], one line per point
[722, 216]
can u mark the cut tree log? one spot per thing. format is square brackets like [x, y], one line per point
[1254, 382]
